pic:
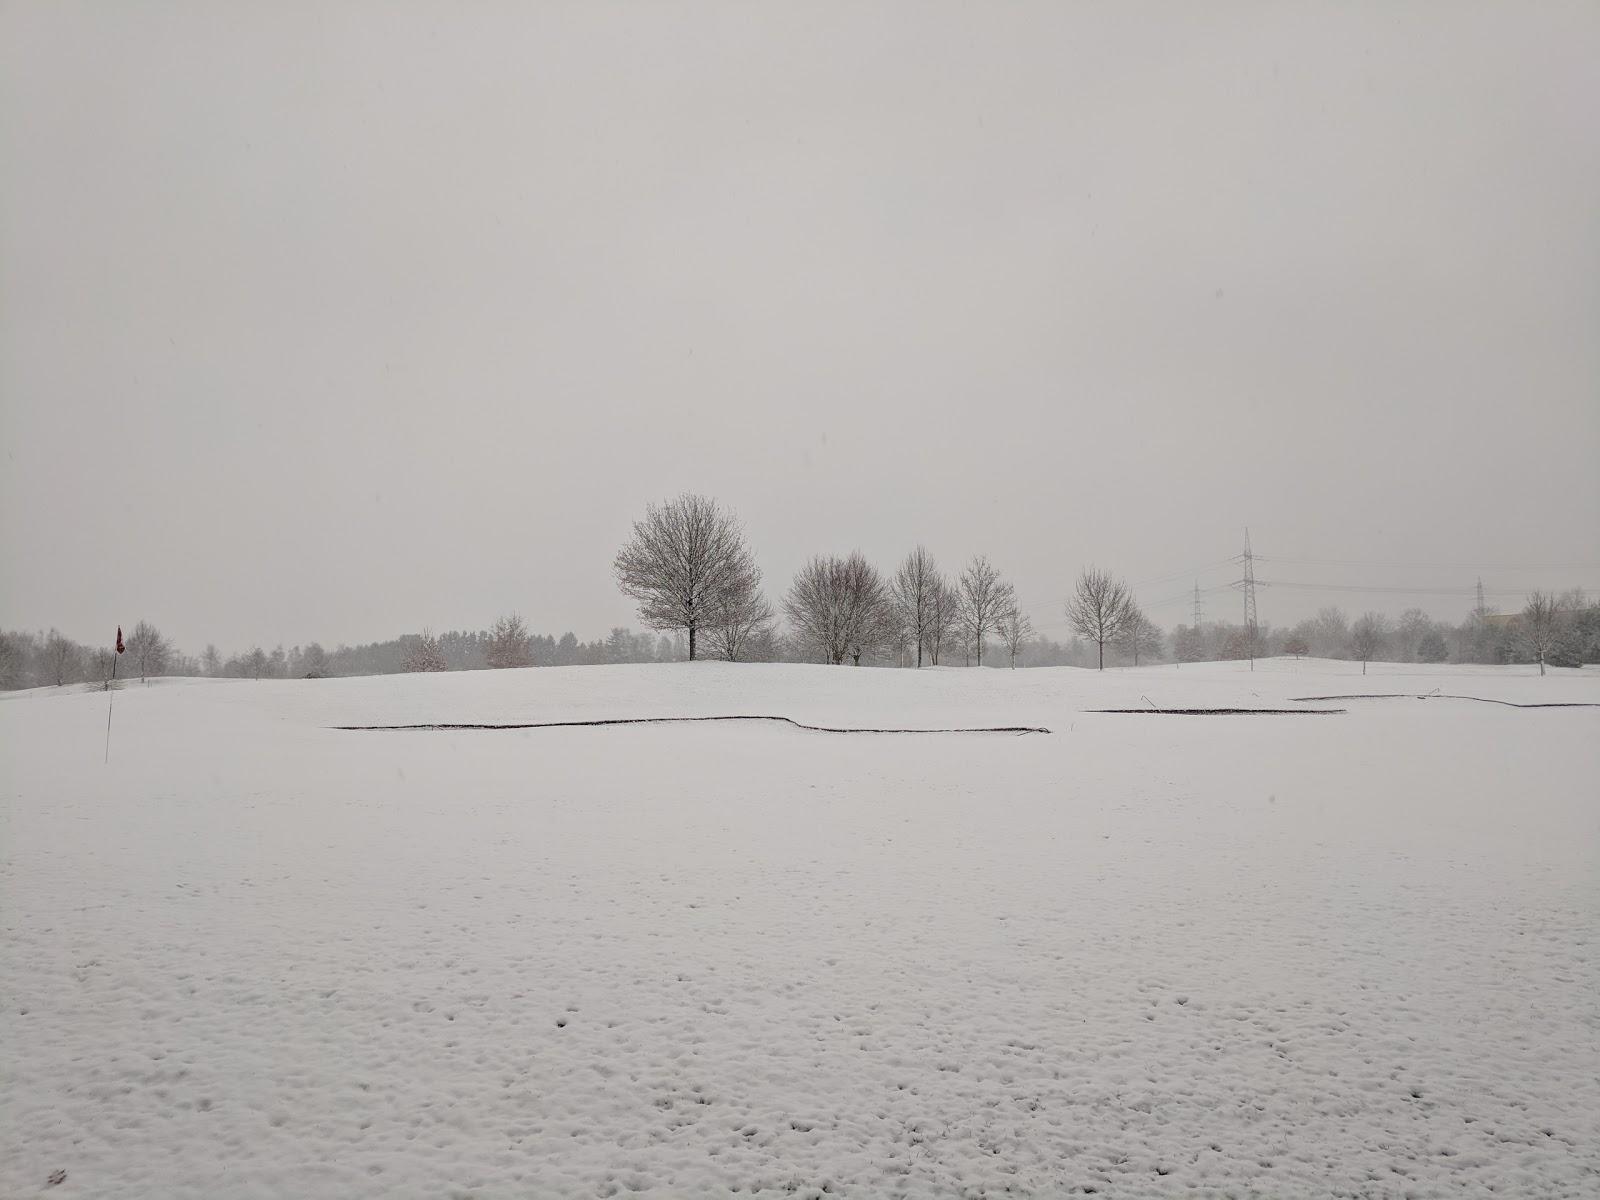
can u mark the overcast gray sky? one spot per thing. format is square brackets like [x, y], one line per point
[332, 321]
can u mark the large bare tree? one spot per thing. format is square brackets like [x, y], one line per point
[840, 608]
[1367, 637]
[985, 597]
[1014, 629]
[944, 614]
[149, 650]
[1539, 625]
[61, 656]
[687, 556]
[1098, 608]
[915, 590]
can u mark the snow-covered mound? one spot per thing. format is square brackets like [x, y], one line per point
[258, 956]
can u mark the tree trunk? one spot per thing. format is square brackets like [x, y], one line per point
[1102, 646]
[691, 643]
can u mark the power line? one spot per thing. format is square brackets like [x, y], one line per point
[1249, 581]
[1385, 587]
[1187, 596]
[1211, 566]
[1457, 566]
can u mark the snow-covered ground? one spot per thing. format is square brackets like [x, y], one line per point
[1139, 956]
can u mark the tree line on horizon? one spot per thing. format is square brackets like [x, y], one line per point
[50, 658]
[690, 569]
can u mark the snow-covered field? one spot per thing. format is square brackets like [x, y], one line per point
[1138, 956]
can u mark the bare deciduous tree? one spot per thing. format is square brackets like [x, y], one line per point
[1367, 637]
[984, 598]
[1539, 625]
[943, 616]
[874, 632]
[686, 556]
[915, 590]
[1098, 608]
[101, 662]
[1140, 636]
[1413, 626]
[1329, 633]
[61, 656]
[508, 643]
[148, 650]
[1237, 643]
[739, 619]
[13, 660]
[315, 661]
[840, 608]
[1015, 629]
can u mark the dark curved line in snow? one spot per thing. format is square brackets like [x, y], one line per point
[1224, 712]
[1446, 696]
[1017, 729]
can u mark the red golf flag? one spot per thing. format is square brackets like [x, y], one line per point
[120, 646]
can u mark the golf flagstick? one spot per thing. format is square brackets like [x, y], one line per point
[111, 692]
